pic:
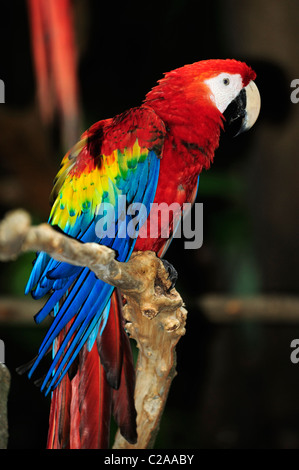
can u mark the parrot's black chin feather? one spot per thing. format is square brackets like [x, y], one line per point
[235, 115]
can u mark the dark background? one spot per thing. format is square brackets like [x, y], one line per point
[236, 386]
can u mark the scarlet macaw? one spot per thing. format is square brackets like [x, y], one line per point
[151, 153]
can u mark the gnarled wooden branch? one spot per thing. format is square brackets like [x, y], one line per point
[154, 312]
[156, 320]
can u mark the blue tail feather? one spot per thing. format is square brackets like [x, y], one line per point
[40, 263]
[73, 303]
[82, 325]
[101, 323]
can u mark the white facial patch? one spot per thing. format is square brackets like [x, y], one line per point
[225, 87]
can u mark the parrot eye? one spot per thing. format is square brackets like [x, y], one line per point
[226, 81]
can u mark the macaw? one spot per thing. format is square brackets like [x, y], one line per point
[150, 154]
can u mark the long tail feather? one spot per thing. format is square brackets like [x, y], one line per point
[82, 403]
[110, 344]
[123, 405]
[95, 400]
[81, 408]
[59, 420]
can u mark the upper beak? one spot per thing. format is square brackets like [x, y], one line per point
[243, 111]
[253, 106]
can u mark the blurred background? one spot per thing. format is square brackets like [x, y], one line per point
[236, 385]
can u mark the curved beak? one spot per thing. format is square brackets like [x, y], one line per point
[253, 106]
[243, 111]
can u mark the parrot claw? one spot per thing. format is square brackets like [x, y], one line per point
[172, 273]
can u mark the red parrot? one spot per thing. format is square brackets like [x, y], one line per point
[149, 154]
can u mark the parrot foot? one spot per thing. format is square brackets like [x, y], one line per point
[172, 273]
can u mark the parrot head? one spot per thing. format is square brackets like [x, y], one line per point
[236, 95]
[216, 89]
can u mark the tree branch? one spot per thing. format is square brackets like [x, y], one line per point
[263, 308]
[154, 312]
[156, 320]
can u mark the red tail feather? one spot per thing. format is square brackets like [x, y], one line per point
[95, 399]
[116, 354]
[59, 421]
[81, 405]
[110, 344]
[124, 410]
[75, 414]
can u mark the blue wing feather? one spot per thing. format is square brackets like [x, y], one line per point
[86, 297]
